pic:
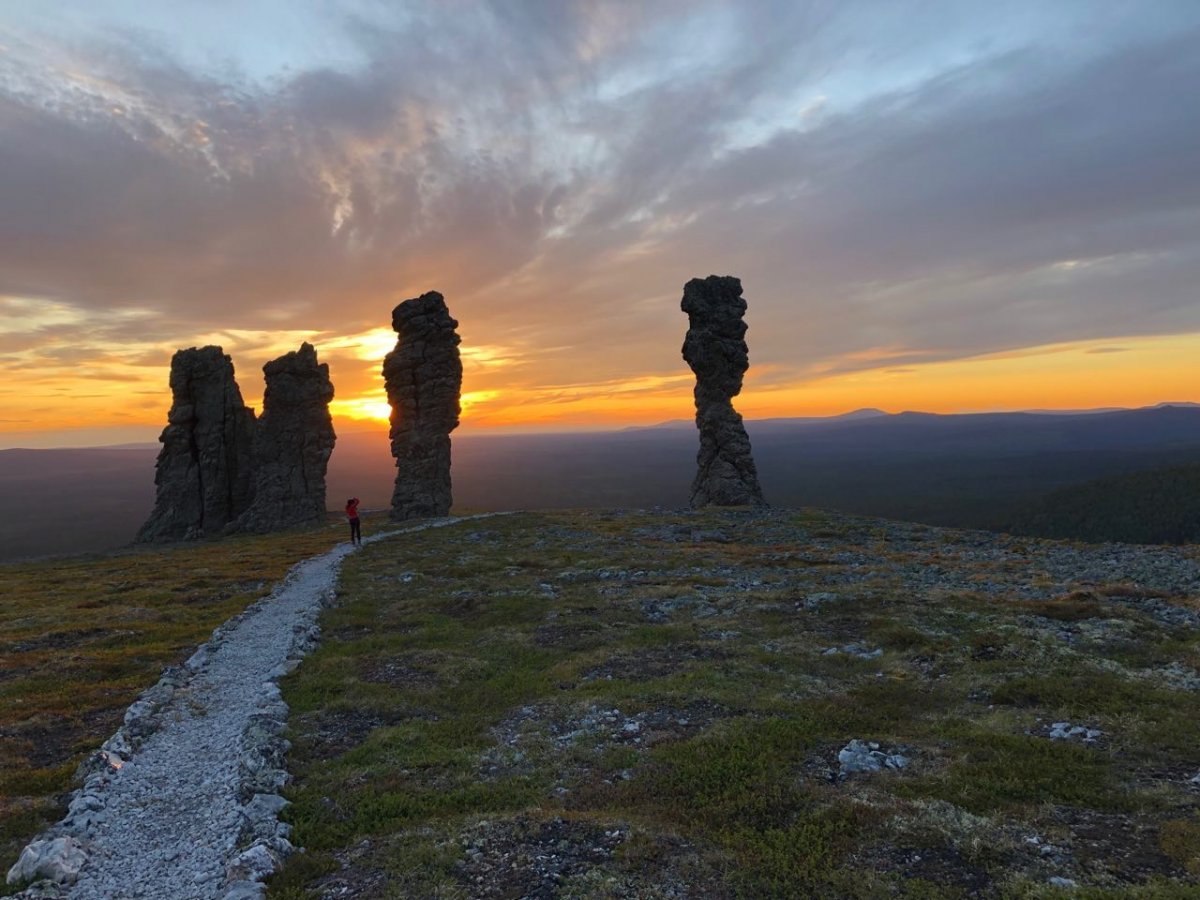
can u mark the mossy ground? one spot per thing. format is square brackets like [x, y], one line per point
[651, 705]
[81, 637]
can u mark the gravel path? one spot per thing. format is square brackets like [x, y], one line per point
[182, 802]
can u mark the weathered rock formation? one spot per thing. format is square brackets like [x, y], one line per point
[424, 379]
[293, 441]
[715, 348]
[203, 475]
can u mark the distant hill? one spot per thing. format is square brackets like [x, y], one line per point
[959, 470]
[979, 471]
[71, 501]
[688, 424]
[1160, 506]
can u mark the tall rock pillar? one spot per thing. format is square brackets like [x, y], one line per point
[203, 477]
[715, 348]
[423, 376]
[293, 441]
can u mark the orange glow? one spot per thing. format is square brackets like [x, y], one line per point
[1089, 374]
[1129, 372]
[360, 408]
[502, 390]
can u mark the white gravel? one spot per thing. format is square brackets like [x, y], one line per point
[191, 812]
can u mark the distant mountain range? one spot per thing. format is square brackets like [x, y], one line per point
[796, 420]
[986, 470]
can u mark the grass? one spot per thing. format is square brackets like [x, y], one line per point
[81, 637]
[587, 674]
[620, 704]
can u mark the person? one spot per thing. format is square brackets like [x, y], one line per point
[355, 525]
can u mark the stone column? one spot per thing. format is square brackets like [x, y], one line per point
[423, 376]
[293, 441]
[203, 475]
[716, 350]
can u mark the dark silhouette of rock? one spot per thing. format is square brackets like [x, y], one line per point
[293, 441]
[203, 475]
[715, 348]
[424, 379]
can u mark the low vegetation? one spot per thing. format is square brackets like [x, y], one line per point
[80, 637]
[655, 705]
[1159, 506]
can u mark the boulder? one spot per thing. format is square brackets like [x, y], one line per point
[59, 860]
[866, 756]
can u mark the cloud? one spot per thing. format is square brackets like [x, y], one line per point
[559, 170]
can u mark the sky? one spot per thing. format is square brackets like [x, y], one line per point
[947, 206]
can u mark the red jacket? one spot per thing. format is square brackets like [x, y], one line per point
[352, 509]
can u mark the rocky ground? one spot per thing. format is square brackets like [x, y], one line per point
[181, 802]
[82, 637]
[748, 703]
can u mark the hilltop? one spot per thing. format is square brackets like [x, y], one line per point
[721, 704]
[717, 704]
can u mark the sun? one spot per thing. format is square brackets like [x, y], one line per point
[362, 408]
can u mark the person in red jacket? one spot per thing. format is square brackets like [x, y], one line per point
[355, 525]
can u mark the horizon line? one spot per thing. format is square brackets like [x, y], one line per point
[548, 430]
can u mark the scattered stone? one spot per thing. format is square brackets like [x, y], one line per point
[722, 635]
[1060, 881]
[948, 868]
[859, 650]
[534, 731]
[716, 350]
[529, 858]
[817, 599]
[664, 610]
[254, 863]
[864, 756]
[199, 767]
[203, 476]
[424, 380]
[45, 890]
[261, 818]
[1065, 731]
[245, 890]
[293, 441]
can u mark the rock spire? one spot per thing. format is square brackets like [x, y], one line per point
[293, 441]
[203, 476]
[716, 350]
[423, 376]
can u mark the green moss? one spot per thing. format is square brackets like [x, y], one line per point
[81, 637]
[1002, 772]
[1180, 840]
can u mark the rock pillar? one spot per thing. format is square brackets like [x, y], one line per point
[203, 475]
[293, 441]
[715, 348]
[423, 376]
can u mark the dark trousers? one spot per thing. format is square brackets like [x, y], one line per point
[355, 531]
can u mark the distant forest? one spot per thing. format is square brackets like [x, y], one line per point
[1161, 506]
[1129, 475]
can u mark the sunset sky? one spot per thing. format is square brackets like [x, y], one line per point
[946, 206]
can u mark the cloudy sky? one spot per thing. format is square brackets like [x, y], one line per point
[931, 204]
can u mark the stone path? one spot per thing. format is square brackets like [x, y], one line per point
[183, 801]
